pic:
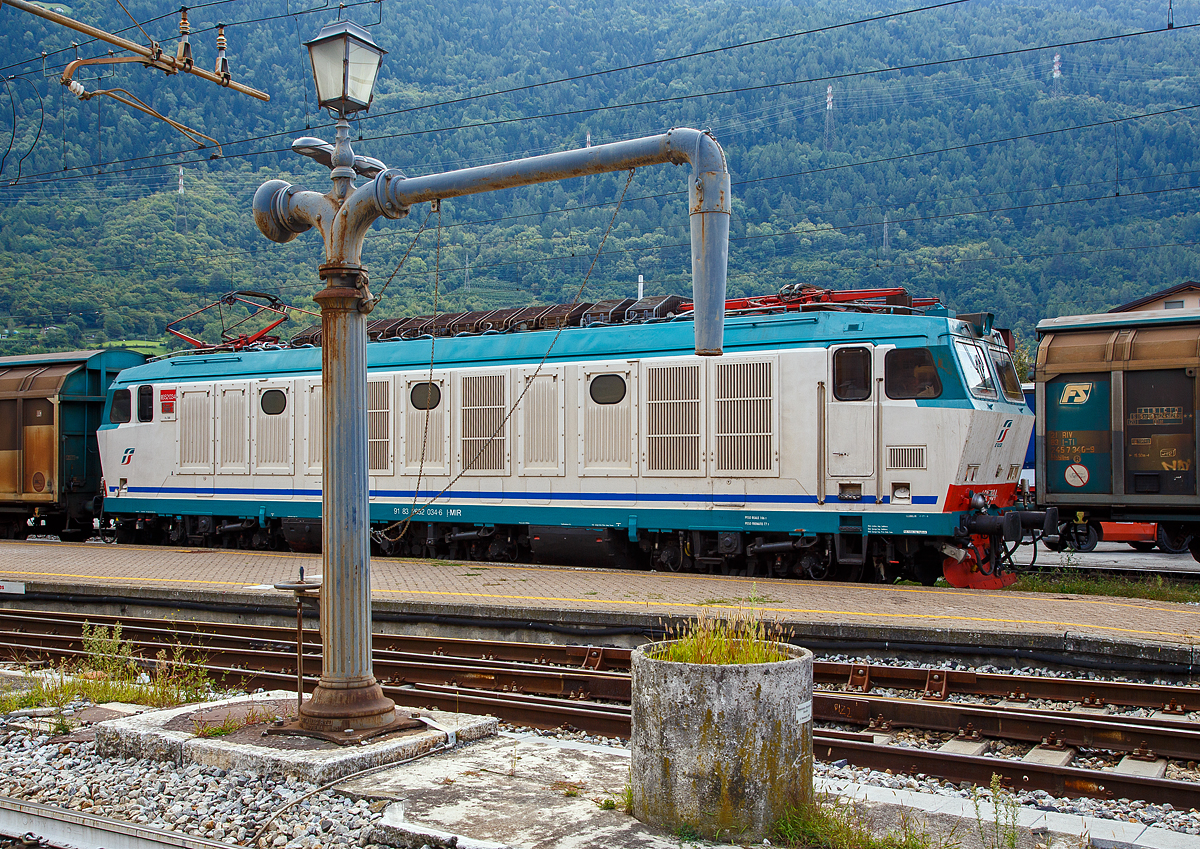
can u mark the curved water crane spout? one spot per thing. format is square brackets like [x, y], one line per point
[345, 214]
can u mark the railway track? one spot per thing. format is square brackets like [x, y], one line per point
[588, 688]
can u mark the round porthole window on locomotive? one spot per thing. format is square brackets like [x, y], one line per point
[425, 396]
[273, 402]
[608, 389]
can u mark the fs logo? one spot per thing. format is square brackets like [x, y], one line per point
[1075, 393]
[127, 457]
[1003, 433]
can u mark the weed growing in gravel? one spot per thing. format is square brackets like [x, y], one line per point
[1000, 833]
[743, 639]
[110, 671]
[687, 833]
[1154, 587]
[230, 724]
[832, 823]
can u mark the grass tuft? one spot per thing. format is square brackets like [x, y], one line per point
[230, 724]
[831, 823]
[1152, 587]
[743, 639]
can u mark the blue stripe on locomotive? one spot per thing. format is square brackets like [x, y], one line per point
[789, 521]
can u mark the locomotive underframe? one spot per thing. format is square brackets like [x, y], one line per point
[841, 555]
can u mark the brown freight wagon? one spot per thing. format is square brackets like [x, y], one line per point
[50, 408]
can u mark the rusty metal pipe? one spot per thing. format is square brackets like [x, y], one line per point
[283, 212]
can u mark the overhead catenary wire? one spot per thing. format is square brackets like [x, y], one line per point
[604, 108]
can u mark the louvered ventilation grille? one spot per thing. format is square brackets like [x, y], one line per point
[195, 435]
[607, 433]
[234, 421]
[742, 410]
[379, 426]
[432, 441]
[271, 438]
[673, 419]
[541, 431]
[483, 431]
[316, 427]
[906, 456]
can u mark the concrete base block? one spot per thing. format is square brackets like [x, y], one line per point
[1142, 769]
[964, 747]
[1049, 757]
[170, 735]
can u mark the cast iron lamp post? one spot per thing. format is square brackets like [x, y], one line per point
[345, 62]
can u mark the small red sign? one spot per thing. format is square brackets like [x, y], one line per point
[167, 397]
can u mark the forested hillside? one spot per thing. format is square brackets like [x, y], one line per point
[952, 163]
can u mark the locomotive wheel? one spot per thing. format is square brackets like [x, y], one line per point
[1082, 538]
[1173, 539]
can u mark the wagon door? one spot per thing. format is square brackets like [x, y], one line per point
[39, 446]
[851, 421]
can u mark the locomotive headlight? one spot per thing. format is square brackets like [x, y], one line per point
[978, 502]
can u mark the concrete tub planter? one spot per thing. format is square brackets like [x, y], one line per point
[720, 749]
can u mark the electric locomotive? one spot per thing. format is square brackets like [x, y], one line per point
[856, 436]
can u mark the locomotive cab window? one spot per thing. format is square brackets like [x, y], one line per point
[425, 396]
[273, 402]
[122, 407]
[910, 373]
[852, 374]
[1007, 372]
[607, 389]
[145, 403]
[975, 370]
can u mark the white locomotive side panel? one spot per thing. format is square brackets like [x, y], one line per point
[744, 411]
[484, 425]
[426, 406]
[233, 429]
[380, 432]
[673, 418]
[273, 431]
[195, 430]
[606, 419]
[313, 412]
[541, 422]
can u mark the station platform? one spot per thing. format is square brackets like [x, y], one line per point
[607, 607]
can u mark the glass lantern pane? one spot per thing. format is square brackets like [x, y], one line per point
[327, 61]
[364, 65]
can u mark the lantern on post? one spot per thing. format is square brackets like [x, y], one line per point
[345, 61]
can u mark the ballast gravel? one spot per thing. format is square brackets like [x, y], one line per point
[234, 806]
[1124, 810]
[202, 801]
